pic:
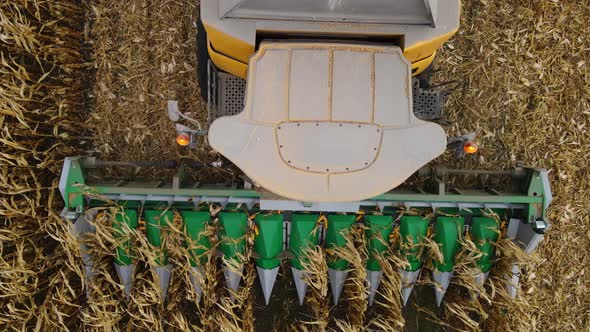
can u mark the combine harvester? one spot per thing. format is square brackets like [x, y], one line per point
[326, 108]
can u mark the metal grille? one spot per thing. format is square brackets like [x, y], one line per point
[428, 103]
[231, 95]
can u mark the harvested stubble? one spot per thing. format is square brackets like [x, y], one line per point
[523, 84]
[145, 55]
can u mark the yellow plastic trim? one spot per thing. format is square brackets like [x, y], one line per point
[423, 49]
[228, 64]
[240, 69]
[419, 66]
[232, 55]
[228, 45]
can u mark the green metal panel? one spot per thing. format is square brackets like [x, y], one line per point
[448, 232]
[412, 231]
[234, 207]
[131, 205]
[535, 189]
[233, 228]
[156, 205]
[526, 198]
[156, 224]
[378, 228]
[336, 231]
[303, 235]
[395, 196]
[484, 231]
[190, 206]
[478, 197]
[268, 244]
[147, 190]
[123, 220]
[532, 191]
[195, 223]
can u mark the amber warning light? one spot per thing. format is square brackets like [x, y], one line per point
[183, 139]
[470, 147]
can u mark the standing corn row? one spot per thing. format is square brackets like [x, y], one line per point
[41, 120]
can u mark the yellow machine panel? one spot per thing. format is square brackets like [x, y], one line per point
[232, 55]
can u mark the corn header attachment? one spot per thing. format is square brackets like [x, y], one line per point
[284, 230]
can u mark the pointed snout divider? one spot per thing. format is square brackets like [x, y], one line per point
[304, 235]
[82, 226]
[484, 232]
[195, 223]
[123, 222]
[233, 228]
[268, 244]
[377, 230]
[448, 232]
[337, 229]
[413, 229]
[156, 226]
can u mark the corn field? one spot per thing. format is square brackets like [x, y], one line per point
[43, 108]
[81, 76]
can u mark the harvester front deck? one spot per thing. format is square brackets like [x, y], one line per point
[436, 209]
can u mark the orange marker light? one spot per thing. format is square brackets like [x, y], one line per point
[183, 139]
[470, 147]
